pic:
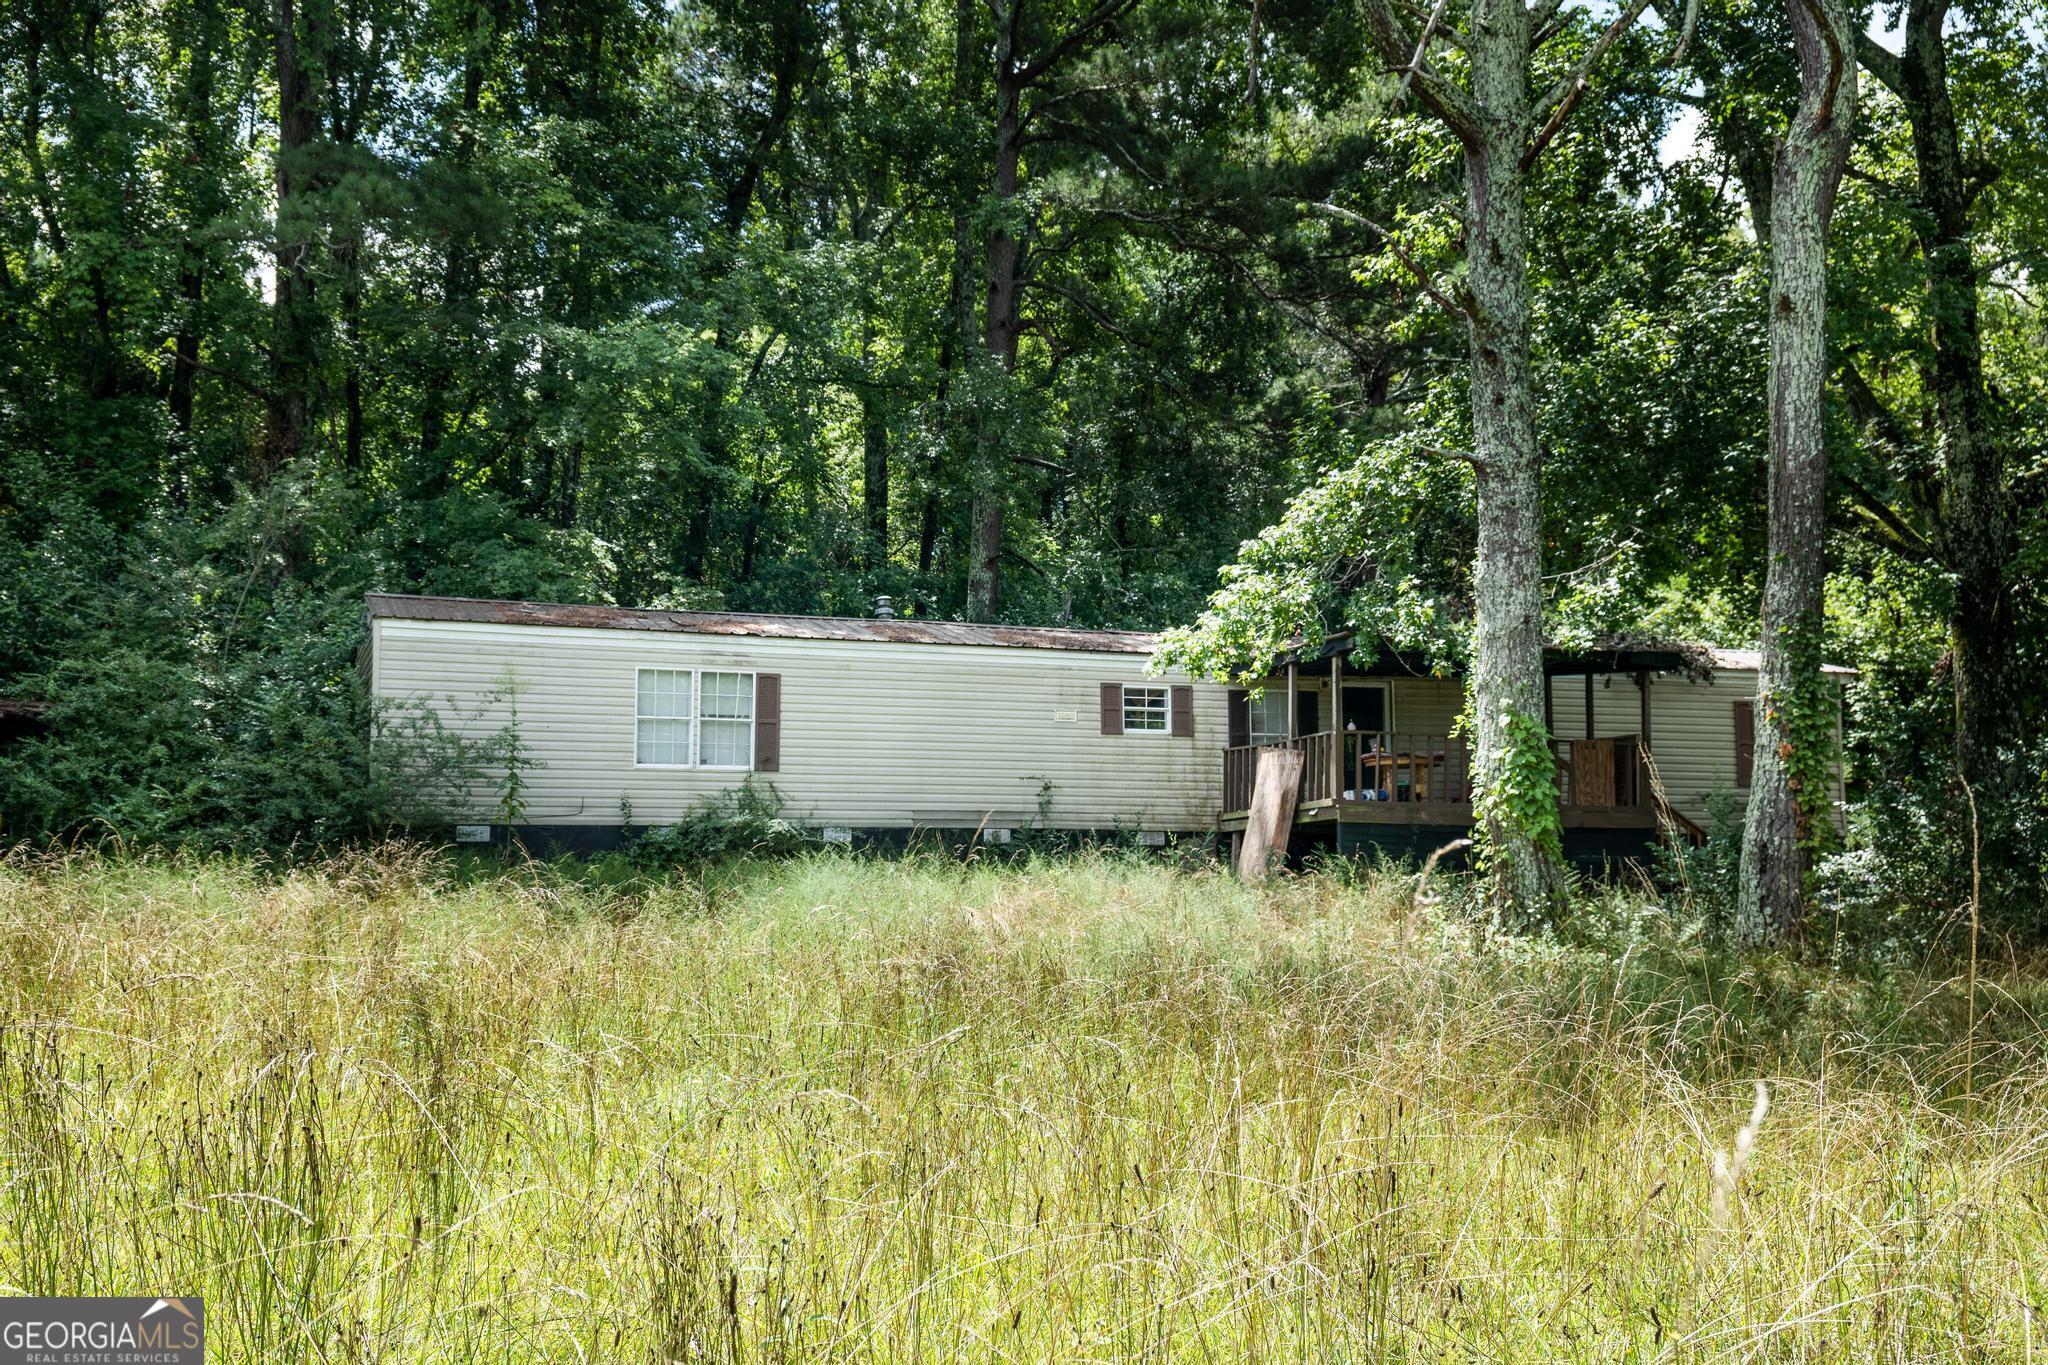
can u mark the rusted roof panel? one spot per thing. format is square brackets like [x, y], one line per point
[895, 631]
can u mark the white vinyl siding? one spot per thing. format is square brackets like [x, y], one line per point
[1425, 706]
[1145, 711]
[686, 718]
[874, 734]
[1692, 731]
[1617, 704]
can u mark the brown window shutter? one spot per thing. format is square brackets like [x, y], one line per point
[1181, 702]
[767, 722]
[1112, 708]
[1239, 705]
[1745, 741]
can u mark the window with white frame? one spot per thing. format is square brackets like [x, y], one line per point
[725, 720]
[1145, 711]
[663, 718]
[1268, 715]
[693, 718]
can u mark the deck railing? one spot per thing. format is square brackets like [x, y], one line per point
[1601, 774]
[1405, 766]
[1398, 765]
[1319, 769]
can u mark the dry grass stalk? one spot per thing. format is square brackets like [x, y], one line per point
[1729, 1165]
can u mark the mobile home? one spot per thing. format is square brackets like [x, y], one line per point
[883, 726]
[864, 725]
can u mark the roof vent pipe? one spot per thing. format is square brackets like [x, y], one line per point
[885, 609]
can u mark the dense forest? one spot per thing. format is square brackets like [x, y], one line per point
[1033, 310]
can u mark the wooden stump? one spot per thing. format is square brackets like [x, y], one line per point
[1272, 810]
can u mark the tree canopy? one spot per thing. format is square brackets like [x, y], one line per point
[1045, 310]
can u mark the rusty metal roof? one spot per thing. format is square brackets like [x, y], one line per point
[893, 631]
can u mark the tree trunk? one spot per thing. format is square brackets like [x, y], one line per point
[199, 134]
[1788, 783]
[1502, 131]
[1507, 663]
[351, 107]
[292, 313]
[457, 287]
[787, 80]
[1016, 72]
[98, 348]
[185, 346]
[957, 340]
[1975, 534]
[863, 201]
[349, 256]
[874, 429]
[999, 327]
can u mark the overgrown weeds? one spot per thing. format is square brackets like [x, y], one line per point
[1094, 1107]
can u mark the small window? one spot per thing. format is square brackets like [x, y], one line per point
[1267, 712]
[685, 718]
[1145, 711]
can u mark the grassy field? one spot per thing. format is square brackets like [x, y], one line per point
[836, 1109]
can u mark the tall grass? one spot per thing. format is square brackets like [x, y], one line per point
[835, 1109]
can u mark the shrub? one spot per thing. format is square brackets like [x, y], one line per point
[1704, 878]
[744, 821]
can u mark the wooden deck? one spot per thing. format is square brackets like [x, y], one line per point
[1397, 778]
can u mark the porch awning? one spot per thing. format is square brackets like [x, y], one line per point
[1621, 655]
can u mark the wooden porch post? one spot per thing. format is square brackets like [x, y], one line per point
[1643, 756]
[1337, 727]
[1293, 704]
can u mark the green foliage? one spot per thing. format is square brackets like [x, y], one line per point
[1704, 879]
[513, 757]
[1381, 540]
[742, 821]
[1805, 719]
[1901, 887]
[440, 763]
[203, 687]
[1519, 794]
[636, 304]
[188, 702]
